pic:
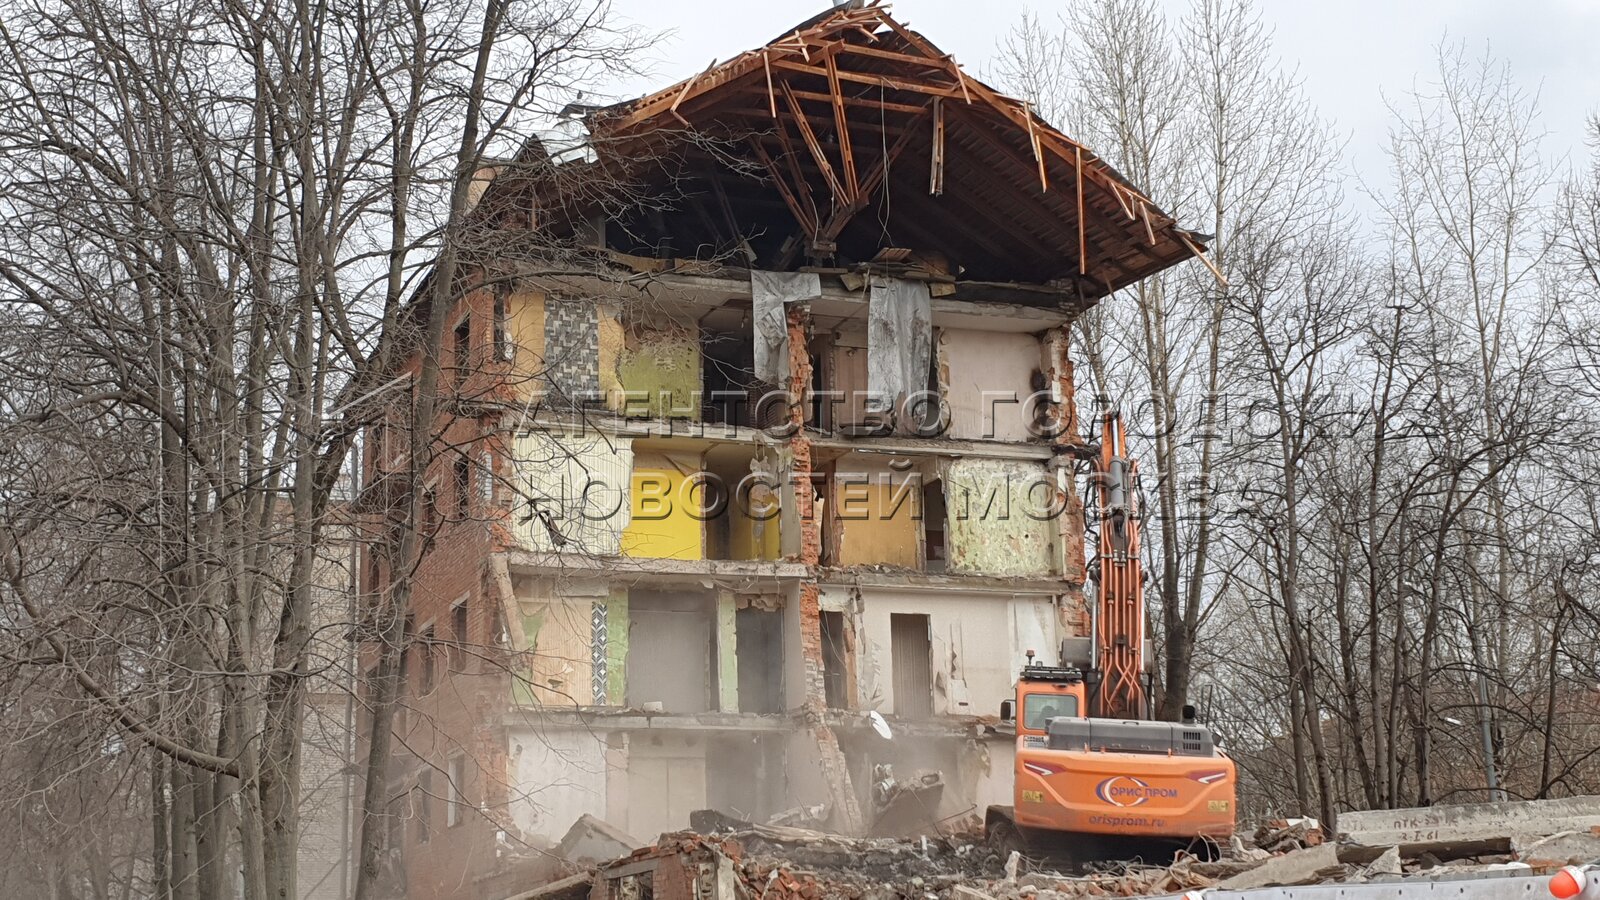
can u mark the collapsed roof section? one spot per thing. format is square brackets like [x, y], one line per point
[852, 134]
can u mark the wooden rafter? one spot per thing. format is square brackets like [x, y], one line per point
[841, 128]
[926, 56]
[893, 56]
[696, 203]
[995, 234]
[642, 110]
[1201, 255]
[1038, 153]
[893, 84]
[791, 160]
[910, 37]
[961, 79]
[687, 85]
[1013, 109]
[818, 123]
[794, 185]
[1116, 191]
[936, 157]
[880, 169]
[1063, 146]
[869, 187]
[866, 102]
[1091, 250]
[810, 137]
[724, 206]
[1083, 245]
[772, 96]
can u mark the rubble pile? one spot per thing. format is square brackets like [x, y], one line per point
[1185, 874]
[723, 858]
[1283, 835]
[786, 864]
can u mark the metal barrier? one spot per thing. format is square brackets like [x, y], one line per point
[1484, 886]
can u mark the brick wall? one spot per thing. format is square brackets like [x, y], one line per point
[458, 715]
[846, 806]
[1062, 421]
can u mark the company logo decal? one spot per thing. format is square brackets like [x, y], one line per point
[1208, 777]
[1043, 771]
[1126, 790]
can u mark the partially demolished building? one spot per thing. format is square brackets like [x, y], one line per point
[784, 438]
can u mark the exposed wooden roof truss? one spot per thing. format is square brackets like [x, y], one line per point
[853, 111]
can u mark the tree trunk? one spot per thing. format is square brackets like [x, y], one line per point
[160, 830]
[1297, 740]
[182, 833]
[1351, 683]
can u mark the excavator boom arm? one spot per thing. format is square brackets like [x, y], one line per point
[1121, 633]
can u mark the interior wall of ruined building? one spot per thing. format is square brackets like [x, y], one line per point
[694, 657]
[643, 781]
[975, 642]
[602, 648]
[671, 649]
[976, 770]
[989, 377]
[993, 516]
[677, 648]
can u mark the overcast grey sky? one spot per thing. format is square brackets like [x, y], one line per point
[1349, 54]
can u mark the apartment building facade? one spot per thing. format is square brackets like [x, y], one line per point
[775, 479]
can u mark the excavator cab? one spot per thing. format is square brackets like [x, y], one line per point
[1044, 693]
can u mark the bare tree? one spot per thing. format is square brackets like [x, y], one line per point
[1403, 419]
[222, 223]
[1203, 113]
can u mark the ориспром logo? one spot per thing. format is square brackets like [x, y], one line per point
[1126, 790]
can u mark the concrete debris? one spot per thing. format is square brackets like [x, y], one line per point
[1387, 863]
[785, 863]
[801, 816]
[595, 840]
[1302, 866]
[1573, 848]
[1238, 850]
[573, 887]
[1124, 881]
[1468, 830]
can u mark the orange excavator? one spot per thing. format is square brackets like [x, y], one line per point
[1095, 777]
